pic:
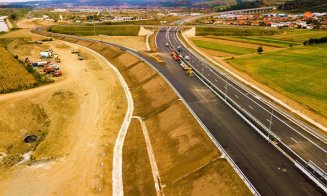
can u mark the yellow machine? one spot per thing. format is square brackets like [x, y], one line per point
[189, 72]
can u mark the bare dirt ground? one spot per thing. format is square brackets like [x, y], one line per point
[80, 115]
[137, 43]
[32, 23]
[22, 33]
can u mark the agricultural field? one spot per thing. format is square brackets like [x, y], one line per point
[223, 47]
[302, 69]
[96, 30]
[235, 31]
[13, 74]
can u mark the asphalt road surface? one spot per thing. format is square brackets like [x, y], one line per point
[268, 169]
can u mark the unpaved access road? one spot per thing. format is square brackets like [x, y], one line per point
[84, 111]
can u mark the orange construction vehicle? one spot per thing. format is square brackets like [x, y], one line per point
[57, 73]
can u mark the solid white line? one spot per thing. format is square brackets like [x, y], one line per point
[274, 114]
[294, 140]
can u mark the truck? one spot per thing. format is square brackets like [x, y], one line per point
[45, 55]
[40, 63]
[75, 51]
[49, 70]
[57, 73]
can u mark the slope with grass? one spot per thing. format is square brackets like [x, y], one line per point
[114, 30]
[299, 73]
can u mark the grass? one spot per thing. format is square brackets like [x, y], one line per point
[223, 47]
[269, 40]
[299, 73]
[114, 30]
[300, 35]
[235, 31]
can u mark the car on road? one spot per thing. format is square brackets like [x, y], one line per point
[167, 44]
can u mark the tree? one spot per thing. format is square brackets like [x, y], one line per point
[13, 16]
[260, 50]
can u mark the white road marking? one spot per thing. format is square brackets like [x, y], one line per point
[236, 96]
[251, 107]
[216, 80]
[269, 121]
[294, 140]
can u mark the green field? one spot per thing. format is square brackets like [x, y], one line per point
[299, 73]
[223, 47]
[300, 35]
[269, 41]
[235, 31]
[96, 30]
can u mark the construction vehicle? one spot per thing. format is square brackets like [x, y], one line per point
[80, 57]
[45, 55]
[40, 63]
[175, 56]
[56, 58]
[57, 73]
[75, 51]
[49, 70]
[189, 71]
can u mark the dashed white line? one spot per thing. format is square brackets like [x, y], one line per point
[251, 107]
[236, 96]
[294, 140]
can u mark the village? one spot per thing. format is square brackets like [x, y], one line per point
[307, 20]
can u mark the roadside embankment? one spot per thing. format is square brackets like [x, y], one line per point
[182, 150]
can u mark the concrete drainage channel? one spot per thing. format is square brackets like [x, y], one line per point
[117, 167]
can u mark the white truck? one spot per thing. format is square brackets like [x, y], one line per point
[45, 55]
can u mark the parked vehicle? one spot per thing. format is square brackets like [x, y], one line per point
[40, 63]
[57, 73]
[75, 51]
[80, 57]
[45, 55]
[167, 45]
[187, 58]
[49, 70]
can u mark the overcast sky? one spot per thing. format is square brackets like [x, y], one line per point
[2, 1]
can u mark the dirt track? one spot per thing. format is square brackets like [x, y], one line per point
[85, 109]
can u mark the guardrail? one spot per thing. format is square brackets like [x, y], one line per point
[311, 173]
[256, 125]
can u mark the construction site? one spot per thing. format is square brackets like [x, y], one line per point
[83, 130]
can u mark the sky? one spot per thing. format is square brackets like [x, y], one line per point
[3, 1]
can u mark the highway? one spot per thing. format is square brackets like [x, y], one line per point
[301, 141]
[268, 170]
[257, 158]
